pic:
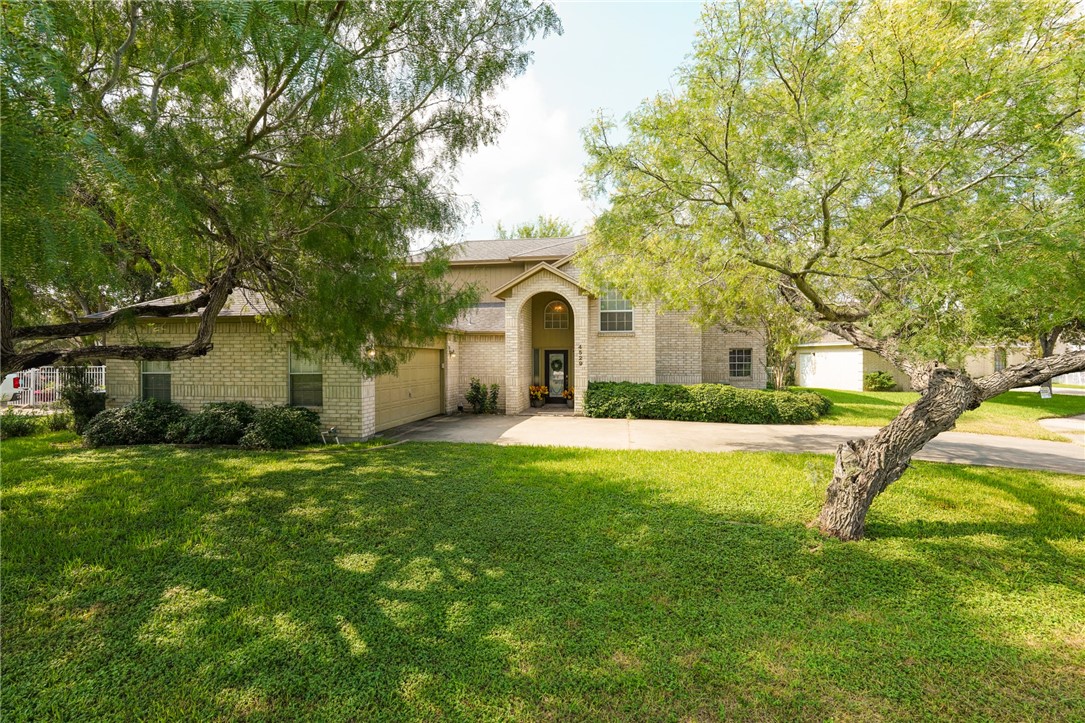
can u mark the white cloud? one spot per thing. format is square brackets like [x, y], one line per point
[533, 168]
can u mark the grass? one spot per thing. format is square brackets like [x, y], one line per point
[463, 582]
[1013, 414]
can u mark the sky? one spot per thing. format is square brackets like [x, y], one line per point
[612, 56]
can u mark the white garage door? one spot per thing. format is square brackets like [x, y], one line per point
[831, 369]
[412, 393]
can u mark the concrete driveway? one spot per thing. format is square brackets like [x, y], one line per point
[955, 447]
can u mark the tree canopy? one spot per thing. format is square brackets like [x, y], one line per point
[541, 227]
[867, 155]
[295, 149]
[908, 174]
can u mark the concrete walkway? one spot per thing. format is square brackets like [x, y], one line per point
[955, 447]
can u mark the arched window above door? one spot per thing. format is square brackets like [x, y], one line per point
[556, 315]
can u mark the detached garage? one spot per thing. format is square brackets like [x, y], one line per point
[413, 392]
[833, 363]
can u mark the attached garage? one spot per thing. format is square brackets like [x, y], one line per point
[413, 392]
[828, 367]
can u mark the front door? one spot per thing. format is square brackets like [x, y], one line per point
[557, 378]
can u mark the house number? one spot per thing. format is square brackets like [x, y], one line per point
[580, 355]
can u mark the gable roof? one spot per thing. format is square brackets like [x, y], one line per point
[534, 270]
[515, 249]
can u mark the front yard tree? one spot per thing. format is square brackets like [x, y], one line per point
[295, 149]
[867, 155]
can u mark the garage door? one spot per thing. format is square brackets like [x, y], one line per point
[412, 393]
[831, 369]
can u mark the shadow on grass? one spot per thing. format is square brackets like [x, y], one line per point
[455, 581]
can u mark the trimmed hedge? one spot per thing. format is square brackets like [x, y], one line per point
[13, 424]
[702, 403]
[145, 422]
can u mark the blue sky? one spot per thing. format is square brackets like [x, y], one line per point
[612, 56]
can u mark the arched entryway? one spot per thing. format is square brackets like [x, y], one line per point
[546, 315]
[552, 344]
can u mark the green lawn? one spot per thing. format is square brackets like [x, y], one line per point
[462, 582]
[1013, 414]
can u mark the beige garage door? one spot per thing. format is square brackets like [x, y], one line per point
[413, 392]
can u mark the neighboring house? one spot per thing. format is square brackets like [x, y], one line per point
[831, 362]
[534, 324]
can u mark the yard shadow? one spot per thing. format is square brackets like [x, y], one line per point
[466, 582]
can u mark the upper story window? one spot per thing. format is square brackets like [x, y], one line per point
[306, 381]
[615, 312]
[156, 380]
[740, 362]
[556, 315]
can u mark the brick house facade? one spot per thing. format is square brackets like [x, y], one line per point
[532, 309]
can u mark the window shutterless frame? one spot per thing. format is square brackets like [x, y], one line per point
[156, 380]
[306, 381]
[740, 362]
[615, 312]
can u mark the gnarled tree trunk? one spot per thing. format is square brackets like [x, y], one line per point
[866, 467]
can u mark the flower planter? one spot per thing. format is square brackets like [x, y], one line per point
[569, 403]
[537, 402]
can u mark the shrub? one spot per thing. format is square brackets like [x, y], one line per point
[214, 424]
[79, 395]
[13, 424]
[281, 428]
[482, 397]
[59, 421]
[243, 412]
[879, 382]
[145, 422]
[702, 403]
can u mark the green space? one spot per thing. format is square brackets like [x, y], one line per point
[1013, 414]
[464, 582]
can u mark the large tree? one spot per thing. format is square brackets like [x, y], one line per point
[296, 149]
[882, 165]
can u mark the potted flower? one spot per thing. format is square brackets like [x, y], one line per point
[568, 394]
[538, 394]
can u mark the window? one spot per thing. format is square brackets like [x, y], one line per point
[740, 362]
[556, 315]
[1000, 359]
[157, 380]
[306, 381]
[615, 312]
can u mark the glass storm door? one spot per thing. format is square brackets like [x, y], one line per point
[557, 378]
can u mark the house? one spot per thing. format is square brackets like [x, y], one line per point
[831, 362]
[535, 323]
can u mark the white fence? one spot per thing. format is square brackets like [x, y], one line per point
[41, 386]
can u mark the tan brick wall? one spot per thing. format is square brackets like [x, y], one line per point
[624, 356]
[715, 345]
[248, 363]
[678, 348]
[477, 355]
[874, 363]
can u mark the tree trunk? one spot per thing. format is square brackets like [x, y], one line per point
[864, 468]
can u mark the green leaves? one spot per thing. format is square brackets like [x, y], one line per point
[858, 153]
[310, 141]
